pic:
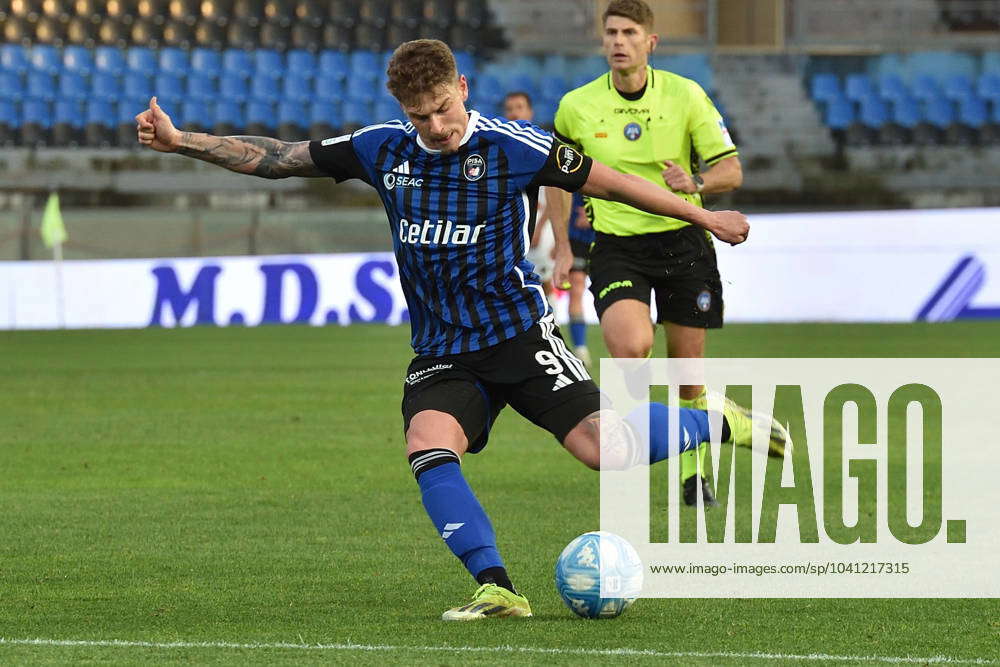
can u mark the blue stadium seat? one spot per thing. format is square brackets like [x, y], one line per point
[69, 112]
[233, 86]
[892, 87]
[196, 115]
[990, 63]
[206, 61]
[301, 63]
[78, 59]
[925, 87]
[127, 109]
[858, 87]
[229, 113]
[297, 88]
[38, 112]
[939, 112]
[260, 115]
[587, 69]
[693, 66]
[11, 87]
[174, 61]
[202, 87]
[292, 113]
[328, 87]
[268, 63]
[825, 87]
[14, 58]
[553, 87]
[958, 86]
[906, 112]
[840, 113]
[100, 112]
[521, 81]
[364, 65]
[237, 61]
[73, 86]
[168, 86]
[105, 86]
[488, 91]
[46, 58]
[264, 88]
[332, 64]
[988, 86]
[360, 90]
[109, 59]
[972, 111]
[141, 59]
[466, 63]
[545, 113]
[874, 112]
[138, 86]
[321, 113]
[889, 64]
[40, 86]
[387, 110]
[356, 113]
[942, 64]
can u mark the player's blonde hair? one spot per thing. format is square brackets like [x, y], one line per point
[635, 10]
[420, 67]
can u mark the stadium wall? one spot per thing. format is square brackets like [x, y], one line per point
[887, 266]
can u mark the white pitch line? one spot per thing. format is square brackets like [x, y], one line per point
[611, 652]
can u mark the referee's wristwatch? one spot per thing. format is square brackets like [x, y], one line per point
[699, 183]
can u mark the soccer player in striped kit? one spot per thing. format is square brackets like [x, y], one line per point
[460, 190]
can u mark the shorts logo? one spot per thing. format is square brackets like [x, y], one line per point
[474, 167]
[417, 376]
[569, 160]
[633, 131]
[613, 286]
[704, 301]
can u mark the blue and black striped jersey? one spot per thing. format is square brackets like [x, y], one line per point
[461, 222]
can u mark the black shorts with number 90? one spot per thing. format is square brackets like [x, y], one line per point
[533, 372]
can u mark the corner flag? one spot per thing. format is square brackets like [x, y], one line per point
[53, 230]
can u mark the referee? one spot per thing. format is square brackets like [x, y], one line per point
[660, 126]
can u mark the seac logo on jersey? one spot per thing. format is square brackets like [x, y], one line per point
[401, 176]
[474, 167]
[633, 131]
[569, 159]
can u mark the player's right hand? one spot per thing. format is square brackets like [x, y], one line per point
[156, 130]
[730, 226]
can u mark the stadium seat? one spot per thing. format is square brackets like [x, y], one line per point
[264, 89]
[119, 11]
[110, 60]
[337, 38]
[141, 59]
[858, 87]
[488, 90]
[46, 58]
[971, 119]
[939, 115]
[268, 63]
[301, 63]
[233, 87]
[16, 31]
[324, 120]
[9, 122]
[279, 12]
[386, 109]
[14, 58]
[292, 121]
[178, 34]
[260, 119]
[545, 113]
[209, 35]
[988, 87]
[275, 36]
[40, 86]
[146, 33]
[523, 82]
[67, 123]
[112, 33]
[183, 10]
[98, 129]
[368, 37]
[56, 9]
[78, 59]
[553, 87]
[310, 12]
[174, 61]
[361, 90]
[228, 118]
[397, 33]
[168, 86]
[343, 13]
[11, 87]
[306, 37]
[50, 31]
[237, 61]
[196, 116]
[36, 123]
[148, 9]
[297, 88]
[940, 65]
[958, 86]
[105, 86]
[201, 87]
[892, 87]
[329, 89]
[137, 85]
[242, 35]
[73, 86]
[355, 115]
[840, 113]
[365, 64]
[472, 13]
[250, 12]
[332, 64]
[925, 87]
[207, 62]
[375, 13]
[81, 32]
[441, 12]
[216, 11]
[903, 118]
[466, 63]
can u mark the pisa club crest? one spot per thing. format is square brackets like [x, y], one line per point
[474, 167]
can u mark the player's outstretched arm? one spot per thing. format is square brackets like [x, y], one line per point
[258, 156]
[606, 183]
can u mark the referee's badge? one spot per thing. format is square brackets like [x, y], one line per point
[633, 131]
[474, 167]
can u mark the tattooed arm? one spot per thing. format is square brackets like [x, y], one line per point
[259, 156]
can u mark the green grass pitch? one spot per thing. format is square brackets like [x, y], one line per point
[248, 486]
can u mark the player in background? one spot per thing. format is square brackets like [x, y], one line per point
[656, 125]
[459, 191]
[581, 235]
[517, 106]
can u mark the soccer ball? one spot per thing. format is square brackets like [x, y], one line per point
[585, 561]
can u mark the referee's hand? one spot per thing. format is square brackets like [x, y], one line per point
[730, 226]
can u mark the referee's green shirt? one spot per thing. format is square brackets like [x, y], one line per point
[673, 120]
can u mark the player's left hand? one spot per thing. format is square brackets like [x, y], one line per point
[678, 179]
[563, 256]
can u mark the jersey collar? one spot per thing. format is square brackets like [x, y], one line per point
[469, 129]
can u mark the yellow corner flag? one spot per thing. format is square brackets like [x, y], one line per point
[53, 229]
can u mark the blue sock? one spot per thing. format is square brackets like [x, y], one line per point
[578, 332]
[694, 422]
[456, 513]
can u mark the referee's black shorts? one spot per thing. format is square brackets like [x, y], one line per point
[679, 266]
[533, 372]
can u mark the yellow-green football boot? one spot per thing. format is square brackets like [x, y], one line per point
[490, 601]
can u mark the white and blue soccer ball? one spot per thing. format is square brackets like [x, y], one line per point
[579, 573]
